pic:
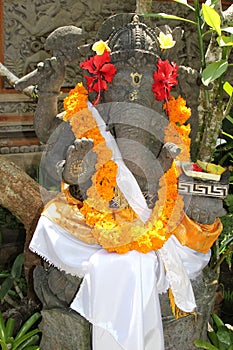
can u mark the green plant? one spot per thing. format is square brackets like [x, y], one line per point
[25, 338]
[229, 203]
[228, 295]
[220, 336]
[217, 99]
[223, 247]
[13, 279]
[8, 220]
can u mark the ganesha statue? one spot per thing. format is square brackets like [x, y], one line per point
[128, 218]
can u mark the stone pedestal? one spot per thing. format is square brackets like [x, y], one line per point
[64, 330]
[180, 333]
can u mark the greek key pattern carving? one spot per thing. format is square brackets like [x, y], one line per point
[203, 189]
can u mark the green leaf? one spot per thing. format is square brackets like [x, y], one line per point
[4, 275]
[228, 135]
[185, 3]
[166, 16]
[16, 270]
[27, 336]
[10, 324]
[28, 324]
[204, 345]
[224, 337]
[213, 338]
[217, 320]
[212, 18]
[30, 342]
[2, 328]
[228, 88]
[228, 241]
[225, 41]
[3, 345]
[213, 71]
[6, 286]
[229, 118]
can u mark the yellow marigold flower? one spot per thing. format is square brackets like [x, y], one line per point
[166, 41]
[100, 46]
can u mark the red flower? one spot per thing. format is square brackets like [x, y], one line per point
[101, 70]
[164, 79]
[196, 167]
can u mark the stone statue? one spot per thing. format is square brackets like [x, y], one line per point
[129, 110]
[140, 57]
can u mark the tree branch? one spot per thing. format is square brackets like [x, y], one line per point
[21, 195]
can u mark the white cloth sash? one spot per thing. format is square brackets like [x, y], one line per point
[119, 296]
[119, 293]
[125, 179]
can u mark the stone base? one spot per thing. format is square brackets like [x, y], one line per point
[64, 330]
[180, 333]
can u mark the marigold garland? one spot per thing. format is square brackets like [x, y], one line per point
[75, 101]
[121, 230]
[177, 107]
[176, 131]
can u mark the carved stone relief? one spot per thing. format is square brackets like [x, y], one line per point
[189, 53]
[28, 23]
[19, 107]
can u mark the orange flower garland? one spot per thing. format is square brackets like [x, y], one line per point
[75, 101]
[177, 107]
[120, 230]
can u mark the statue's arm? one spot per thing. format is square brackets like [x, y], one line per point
[204, 210]
[64, 43]
[48, 77]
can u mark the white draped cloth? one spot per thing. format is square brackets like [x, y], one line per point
[119, 293]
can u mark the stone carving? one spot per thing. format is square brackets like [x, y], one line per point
[28, 23]
[200, 189]
[126, 62]
[133, 56]
[134, 51]
[23, 106]
[26, 28]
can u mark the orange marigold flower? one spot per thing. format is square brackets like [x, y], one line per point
[95, 135]
[82, 122]
[106, 180]
[178, 112]
[75, 101]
